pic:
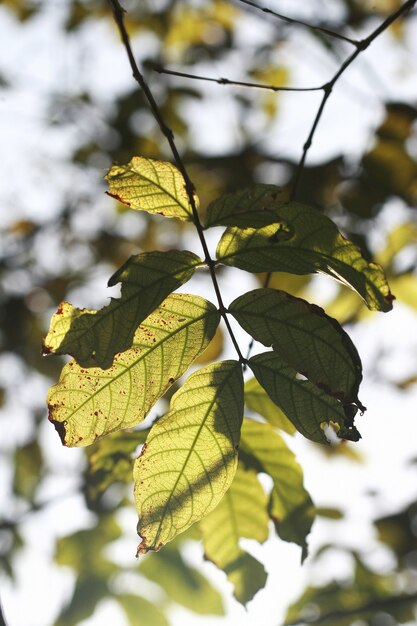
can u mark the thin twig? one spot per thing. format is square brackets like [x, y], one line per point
[118, 13]
[328, 87]
[298, 22]
[374, 605]
[227, 81]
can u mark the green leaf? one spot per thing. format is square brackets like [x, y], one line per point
[254, 206]
[190, 457]
[305, 338]
[141, 612]
[241, 513]
[110, 460]
[182, 583]
[90, 403]
[258, 400]
[152, 186]
[307, 406]
[291, 507]
[304, 241]
[94, 337]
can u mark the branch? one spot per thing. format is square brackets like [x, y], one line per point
[291, 20]
[328, 87]
[118, 13]
[373, 605]
[236, 83]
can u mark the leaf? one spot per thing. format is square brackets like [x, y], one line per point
[110, 460]
[213, 350]
[253, 206]
[152, 186]
[291, 506]
[141, 612]
[182, 583]
[304, 241]
[94, 337]
[190, 457]
[89, 403]
[305, 338]
[241, 513]
[307, 406]
[258, 400]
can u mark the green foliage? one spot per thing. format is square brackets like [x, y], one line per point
[190, 456]
[303, 241]
[128, 354]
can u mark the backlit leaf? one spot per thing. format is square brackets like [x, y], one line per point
[190, 456]
[305, 241]
[94, 337]
[89, 403]
[305, 338]
[306, 405]
[182, 583]
[152, 186]
[253, 206]
[291, 506]
[258, 400]
[141, 612]
[241, 513]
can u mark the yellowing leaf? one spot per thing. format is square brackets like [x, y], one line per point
[252, 207]
[306, 405]
[305, 338]
[152, 186]
[258, 400]
[241, 513]
[305, 241]
[291, 506]
[213, 350]
[190, 456]
[94, 337]
[89, 403]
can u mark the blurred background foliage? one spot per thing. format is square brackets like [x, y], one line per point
[61, 238]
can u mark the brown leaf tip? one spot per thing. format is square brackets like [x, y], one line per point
[117, 197]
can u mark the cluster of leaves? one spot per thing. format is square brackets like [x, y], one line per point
[183, 34]
[200, 461]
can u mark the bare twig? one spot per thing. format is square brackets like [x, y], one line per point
[118, 13]
[328, 87]
[235, 83]
[291, 20]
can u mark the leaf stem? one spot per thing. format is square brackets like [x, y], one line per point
[119, 12]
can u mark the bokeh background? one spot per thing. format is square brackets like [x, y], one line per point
[69, 108]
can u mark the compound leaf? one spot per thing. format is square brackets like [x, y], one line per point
[241, 513]
[304, 241]
[291, 507]
[305, 338]
[94, 337]
[152, 186]
[254, 206]
[90, 403]
[258, 400]
[190, 456]
[308, 407]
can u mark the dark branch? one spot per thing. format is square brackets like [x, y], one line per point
[235, 83]
[118, 13]
[362, 45]
[291, 20]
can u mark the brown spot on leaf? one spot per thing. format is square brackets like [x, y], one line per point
[171, 380]
[117, 197]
